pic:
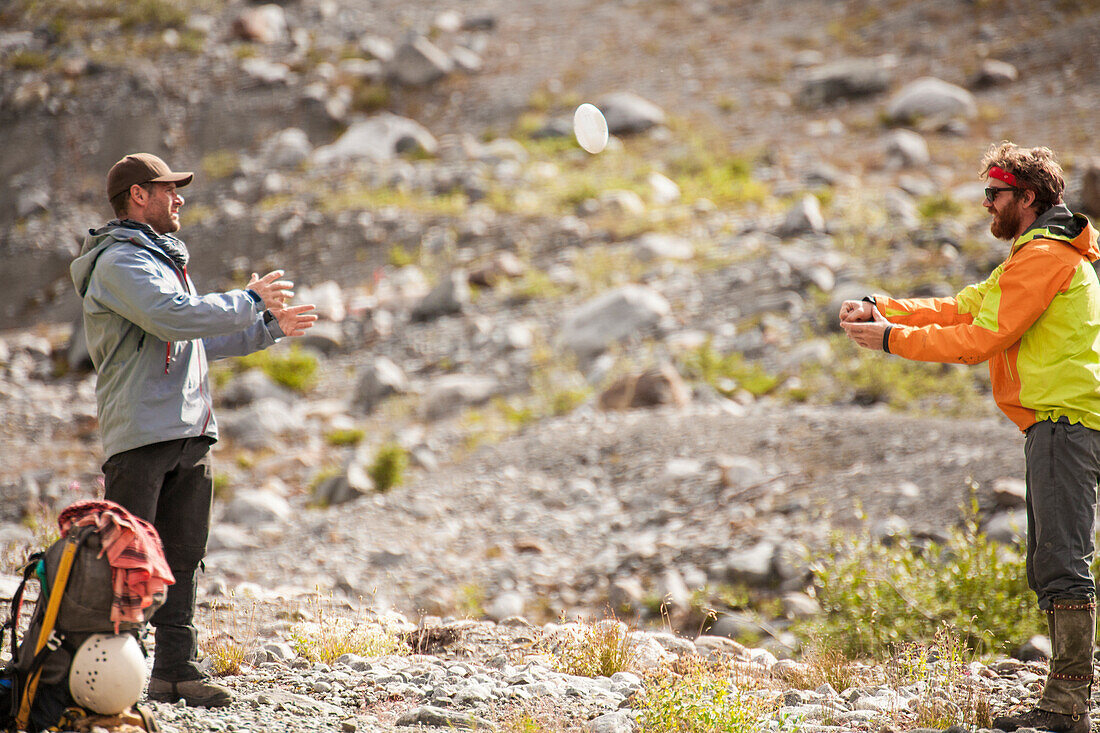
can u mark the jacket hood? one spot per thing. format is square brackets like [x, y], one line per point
[96, 242]
[1060, 224]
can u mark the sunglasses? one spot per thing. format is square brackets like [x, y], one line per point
[992, 191]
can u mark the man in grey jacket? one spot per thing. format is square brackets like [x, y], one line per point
[150, 335]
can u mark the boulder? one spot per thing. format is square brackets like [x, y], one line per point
[1010, 493]
[930, 98]
[994, 73]
[287, 148]
[844, 79]
[804, 217]
[906, 149]
[250, 507]
[627, 113]
[659, 386]
[418, 62]
[251, 386]
[752, 566]
[610, 318]
[656, 246]
[263, 24]
[615, 722]
[377, 381]
[380, 138]
[451, 295]
[451, 392]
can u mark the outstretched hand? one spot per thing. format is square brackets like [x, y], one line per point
[274, 292]
[866, 333]
[294, 320]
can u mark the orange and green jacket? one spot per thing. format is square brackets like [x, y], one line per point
[1036, 319]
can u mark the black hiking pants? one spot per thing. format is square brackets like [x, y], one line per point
[1063, 469]
[170, 485]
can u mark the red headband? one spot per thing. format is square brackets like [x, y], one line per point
[1002, 175]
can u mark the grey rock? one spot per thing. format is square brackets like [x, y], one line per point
[437, 717]
[287, 148]
[932, 98]
[615, 722]
[380, 138]
[845, 79]
[252, 386]
[804, 217]
[906, 149]
[1007, 527]
[378, 47]
[30, 201]
[251, 507]
[994, 73]
[255, 425]
[450, 392]
[627, 113]
[505, 605]
[466, 59]
[324, 337]
[610, 318]
[418, 62]
[752, 566]
[377, 381]
[280, 650]
[735, 626]
[451, 295]
[656, 246]
[230, 537]
[1035, 649]
[740, 471]
[1010, 493]
[902, 209]
[720, 645]
[265, 71]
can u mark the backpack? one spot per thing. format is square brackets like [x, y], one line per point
[74, 602]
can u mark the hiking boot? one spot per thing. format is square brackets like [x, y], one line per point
[1045, 720]
[196, 693]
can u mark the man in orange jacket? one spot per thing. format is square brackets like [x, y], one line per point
[1036, 320]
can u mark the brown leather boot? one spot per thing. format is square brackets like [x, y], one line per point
[196, 693]
[1044, 720]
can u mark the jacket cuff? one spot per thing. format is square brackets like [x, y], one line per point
[256, 299]
[870, 299]
[886, 339]
[272, 325]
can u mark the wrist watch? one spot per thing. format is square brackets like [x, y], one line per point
[268, 317]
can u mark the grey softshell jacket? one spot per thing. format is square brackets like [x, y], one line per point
[150, 335]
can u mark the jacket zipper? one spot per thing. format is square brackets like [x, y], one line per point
[202, 377]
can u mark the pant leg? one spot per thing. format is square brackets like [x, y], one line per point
[1063, 468]
[180, 511]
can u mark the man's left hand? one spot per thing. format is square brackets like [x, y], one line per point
[294, 320]
[867, 334]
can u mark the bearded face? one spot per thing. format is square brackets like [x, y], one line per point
[1007, 217]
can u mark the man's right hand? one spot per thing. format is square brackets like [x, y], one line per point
[275, 293]
[294, 320]
[855, 311]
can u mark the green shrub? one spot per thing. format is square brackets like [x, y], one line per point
[295, 369]
[388, 468]
[939, 206]
[220, 164]
[349, 436]
[876, 598]
[698, 697]
[727, 372]
[156, 14]
[940, 670]
[27, 60]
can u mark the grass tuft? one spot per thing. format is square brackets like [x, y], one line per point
[388, 468]
[295, 369]
[328, 637]
[699, 696]
[599, 649]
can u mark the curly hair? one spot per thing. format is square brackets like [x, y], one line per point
[1034, 168]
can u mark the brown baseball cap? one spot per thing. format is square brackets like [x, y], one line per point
[142, 168]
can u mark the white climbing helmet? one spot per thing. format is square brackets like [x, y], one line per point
[108, 673]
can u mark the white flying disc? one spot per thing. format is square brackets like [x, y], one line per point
[590, 127]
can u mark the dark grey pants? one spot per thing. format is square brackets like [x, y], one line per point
[1063, 469]
[171, 485]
